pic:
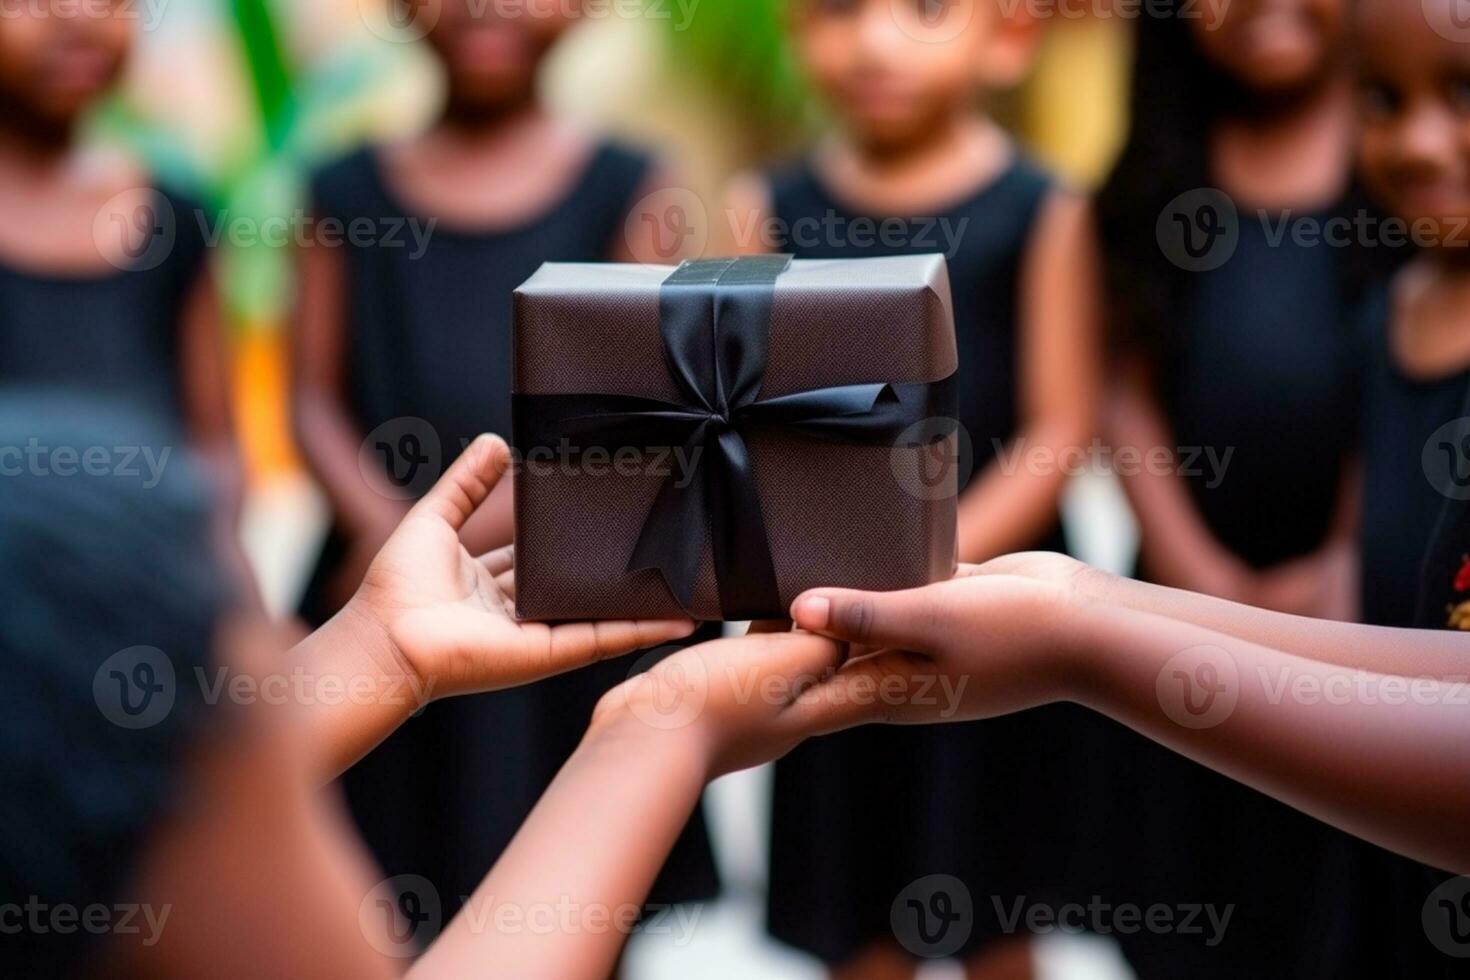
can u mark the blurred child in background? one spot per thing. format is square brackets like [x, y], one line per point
[1249, 353]
[104, 285]
[1414, 118]
[397, 351]
[860, 816]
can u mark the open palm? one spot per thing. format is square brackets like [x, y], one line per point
[451, 616]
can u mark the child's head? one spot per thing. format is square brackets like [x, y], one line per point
[492, 49]
[1269, 47]
[1414, 143]
[893, 69]
[56, 59]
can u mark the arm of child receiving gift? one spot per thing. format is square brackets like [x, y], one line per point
[1358, 726]
[595, 841]
[1014, 500]
[431, 621]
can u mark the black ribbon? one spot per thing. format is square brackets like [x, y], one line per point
[715, 319]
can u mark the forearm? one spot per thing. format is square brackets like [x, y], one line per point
[1175, 544]
[1016, 501]
[1437, 653]
[1381, 755]
[562, 900]
[362, 500]
[355, 690]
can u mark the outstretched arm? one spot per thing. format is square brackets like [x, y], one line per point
[1364, 728]
[577, 872]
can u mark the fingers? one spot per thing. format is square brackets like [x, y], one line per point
[866, 690]
[577, 644]
[911, 620]
[466, 484]
[499, 561]
[796, 656]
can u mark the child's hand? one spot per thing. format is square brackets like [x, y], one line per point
[995, 639]
[450, 618]
[732, 703]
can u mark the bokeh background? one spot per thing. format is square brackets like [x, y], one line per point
[236, 99]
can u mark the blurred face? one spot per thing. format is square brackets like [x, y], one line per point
[1414, 107]
[58, 56]
[892, 68]
[491, 49]
[1270, 46]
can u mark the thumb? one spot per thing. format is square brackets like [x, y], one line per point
[910, 620]
[468, 481]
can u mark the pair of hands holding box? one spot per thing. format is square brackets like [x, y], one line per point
[1014, 633]
[432, 621]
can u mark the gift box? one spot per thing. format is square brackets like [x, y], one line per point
[711, 440]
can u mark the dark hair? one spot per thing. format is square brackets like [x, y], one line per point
[1177, 97]
[102, 567]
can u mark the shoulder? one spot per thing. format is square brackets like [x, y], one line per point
[346, 184]
[613, 158]
[1056, 217]
[1032, 178]
[192, 218]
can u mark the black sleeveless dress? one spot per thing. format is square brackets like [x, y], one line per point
[1415, 545]
[1262, 363]
[113, 334]
[429, 338]
[859, 817]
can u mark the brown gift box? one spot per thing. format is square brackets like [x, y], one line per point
[877, 515]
